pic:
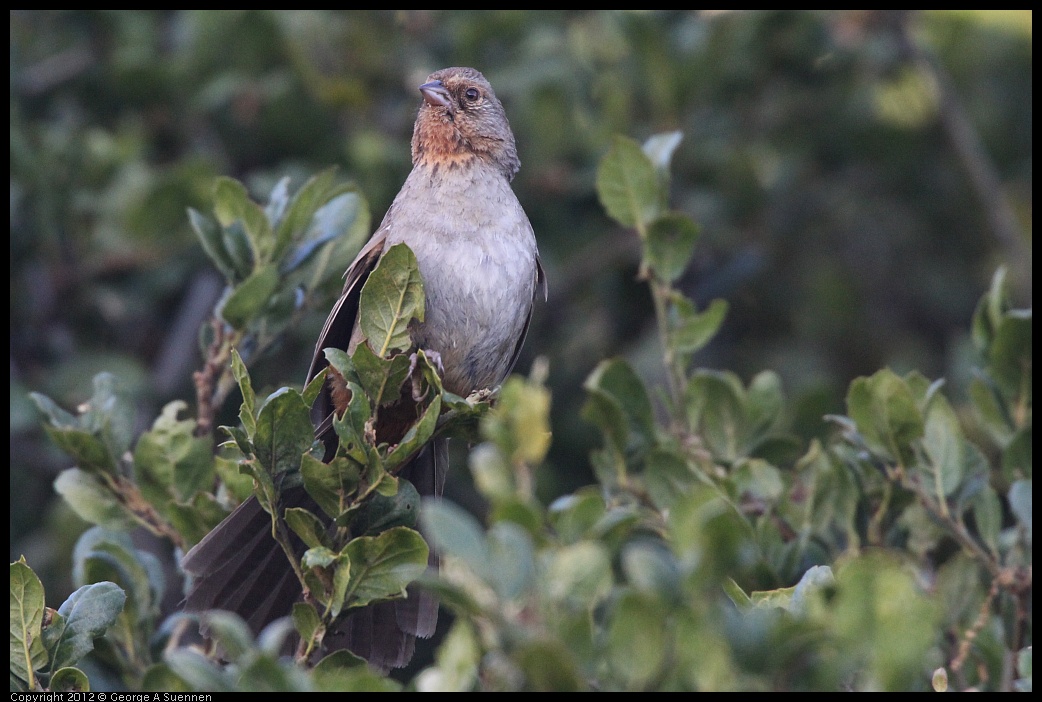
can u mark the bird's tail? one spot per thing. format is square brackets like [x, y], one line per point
[240, 567]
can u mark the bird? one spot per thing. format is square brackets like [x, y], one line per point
[478, 257]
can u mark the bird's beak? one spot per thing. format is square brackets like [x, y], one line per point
[436, 94]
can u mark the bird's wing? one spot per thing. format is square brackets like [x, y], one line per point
[336, 332]
[540, 284]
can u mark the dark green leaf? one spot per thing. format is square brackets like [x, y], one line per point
[284, 431]
[249, 297]
[1016, 458]
[381, 513]
[210, 237]
[669, 245]
[232, 203]
[89, 452]
[390, 299]
[306, 621]
[548, 667]
[305, 202]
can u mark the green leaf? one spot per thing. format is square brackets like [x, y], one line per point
[618, 403]
[101, 556]
[239, 249]
[690, 330]
[455, 532]
[232, 203]
[57, 416]
[715, 409]
[573, 516]
[519, 423]
[69, 679]
[249, 297]
[456, 661]
[511, 560]
[636, 638]
[667, 477]
[284, 431]
[331, 484]
[382, 378]
[669, 245]
[306, 201]
[943, 441]
[764, 403]
[306, 620]
[390, 299]
[210, 237]
[88, 613]
[381, 512]
[382, 566]
[652, 570]
[92, 500]
[886, 414]
[231, 633]
[170, 462]
[160, 678]
[548, 667]
[795, 599]
[198, 671]
[579, 575]
[991, 410]
[1016, 458]
[27, 606]
[336, 233]
[247, 411]
[1010, 354]
[987, 511]
[628, 186]
[342, 671]
[89, 452]
[307, 526]
[883, 622]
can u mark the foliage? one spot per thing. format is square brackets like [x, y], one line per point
[857, 177]
[716, 552]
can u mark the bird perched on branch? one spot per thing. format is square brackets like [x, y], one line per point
[477, 255]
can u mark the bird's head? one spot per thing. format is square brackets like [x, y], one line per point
[461, 119]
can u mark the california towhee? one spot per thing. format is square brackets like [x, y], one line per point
[477, 254]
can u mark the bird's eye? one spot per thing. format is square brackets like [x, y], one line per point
[472, 94]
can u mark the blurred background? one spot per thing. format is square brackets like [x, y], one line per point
[858, 176]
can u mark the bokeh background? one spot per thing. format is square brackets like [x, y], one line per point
[858, 176]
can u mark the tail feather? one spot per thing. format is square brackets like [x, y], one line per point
[240, 567]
